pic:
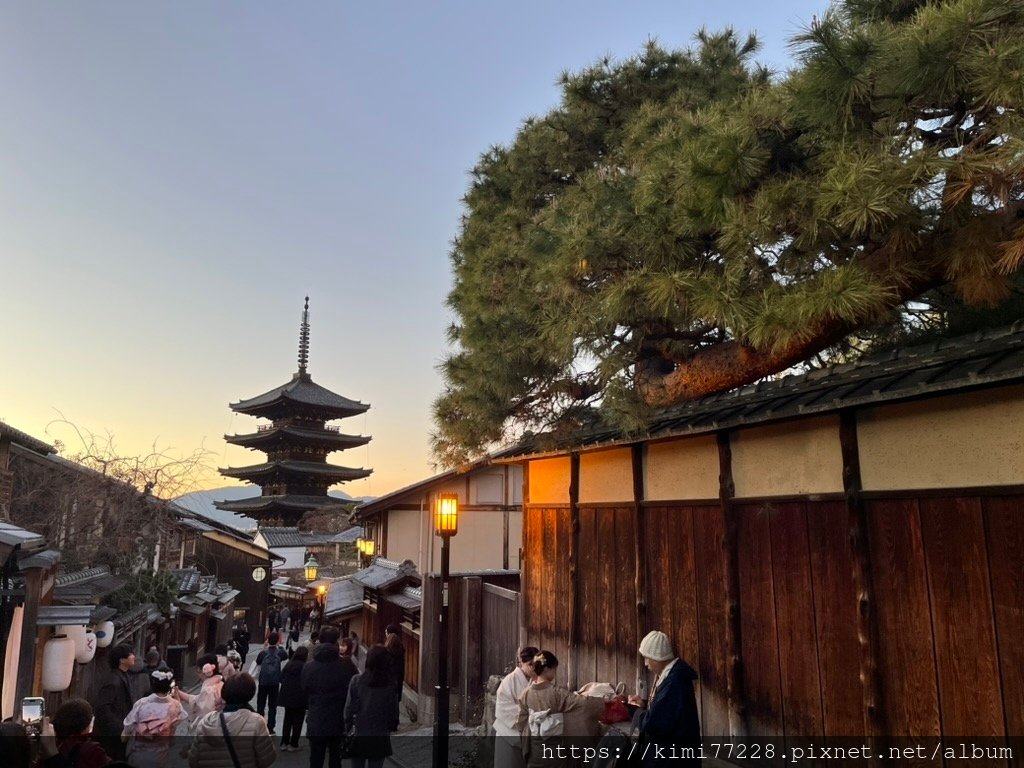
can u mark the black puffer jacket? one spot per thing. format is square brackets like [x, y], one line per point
[292, 695]
[325, 680]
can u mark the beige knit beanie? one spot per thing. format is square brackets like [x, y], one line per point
[656, 646]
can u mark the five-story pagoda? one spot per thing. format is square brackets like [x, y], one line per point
[295, 477]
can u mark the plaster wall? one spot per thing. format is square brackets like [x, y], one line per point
[403, 535]
[788, 459]
[607, 476]
[679, 470]
[958, 441]
[549, 481]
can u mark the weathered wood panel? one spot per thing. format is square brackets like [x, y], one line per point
[500, 610]
[970, 698]
[607, 631]
[671, 571]
[626, 641]
[591, 597]
[835, 615]
[551, 583]
[713, 616]
[794, 601]
[1004, 518]
[907, 658]
[534, 566]
[758, 630]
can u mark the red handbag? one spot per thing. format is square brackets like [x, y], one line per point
[615, 711]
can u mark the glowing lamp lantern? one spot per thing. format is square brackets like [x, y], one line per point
[368, 547]
[58, 663]
[311, 567]
[105, 634]
[446, 515]
[360, 548]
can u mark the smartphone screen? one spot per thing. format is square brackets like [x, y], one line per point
[32, 710]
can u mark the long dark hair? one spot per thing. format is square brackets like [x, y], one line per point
[378, 667]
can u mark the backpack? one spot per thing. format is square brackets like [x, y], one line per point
[270, 667]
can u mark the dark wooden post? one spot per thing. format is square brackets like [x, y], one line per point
[30, 634]
[574, 554]
[472, 650]
[523, 559]
[734, 648]
[860, 557]
[640, 575]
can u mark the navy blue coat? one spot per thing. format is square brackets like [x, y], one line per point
[670, 720]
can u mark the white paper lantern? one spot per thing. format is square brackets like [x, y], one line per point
[58, 663]
[105, 634]
[84, 657]
[77, 633]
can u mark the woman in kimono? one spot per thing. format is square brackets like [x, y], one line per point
[547, 714]
[149, 728]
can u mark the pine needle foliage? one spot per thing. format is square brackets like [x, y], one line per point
[683, 204]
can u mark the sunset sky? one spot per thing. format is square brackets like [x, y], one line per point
[176, 176]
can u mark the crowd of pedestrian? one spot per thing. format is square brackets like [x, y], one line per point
[347, 713]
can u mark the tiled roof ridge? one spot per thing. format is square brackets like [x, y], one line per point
[925, 352]
[77, 577]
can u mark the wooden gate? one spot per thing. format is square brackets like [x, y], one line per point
[500, 630]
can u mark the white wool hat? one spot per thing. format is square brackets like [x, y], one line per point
[656, 646]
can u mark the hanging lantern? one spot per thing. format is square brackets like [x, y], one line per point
[58, 663]
[104, 634]
[311, 567]
[86, 655]
[77, 633]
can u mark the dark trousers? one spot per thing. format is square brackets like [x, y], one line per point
[267, 695]
[371, 762]
[293, 717]
[319, 747]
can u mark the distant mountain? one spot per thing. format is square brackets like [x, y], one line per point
[201, 502]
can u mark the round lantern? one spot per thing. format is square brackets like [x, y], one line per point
[104, 634]
[58, 663]
[86, 655]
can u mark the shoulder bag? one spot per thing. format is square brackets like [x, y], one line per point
[227, 738]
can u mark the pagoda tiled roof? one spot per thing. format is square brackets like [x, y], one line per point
[270, 503]
[285, 536]
[291, 466]
[300, 435]
[302, 390]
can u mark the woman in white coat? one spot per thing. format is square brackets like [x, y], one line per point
[508, 752]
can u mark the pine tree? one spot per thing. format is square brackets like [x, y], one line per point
[684, 222]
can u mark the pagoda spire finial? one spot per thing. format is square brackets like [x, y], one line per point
[304, 339]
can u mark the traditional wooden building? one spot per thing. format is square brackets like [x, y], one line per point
[837, 554]
[484, 578]
[297, 440]
[228, 556]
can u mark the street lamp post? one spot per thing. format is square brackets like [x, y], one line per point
[446, 525]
